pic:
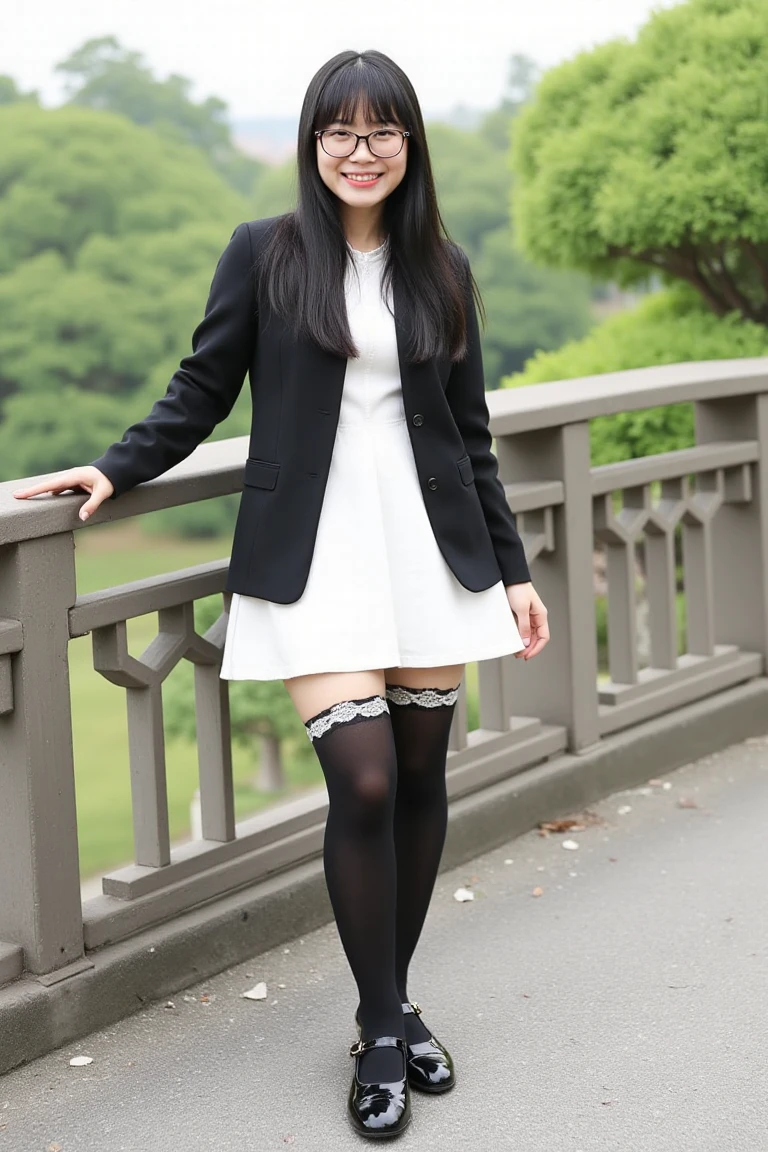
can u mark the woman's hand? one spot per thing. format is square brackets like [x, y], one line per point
[87, 477]
[531, 616]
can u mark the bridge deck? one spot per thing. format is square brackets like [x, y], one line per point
[623, 1010]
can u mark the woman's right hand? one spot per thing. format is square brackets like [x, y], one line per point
[87, 477]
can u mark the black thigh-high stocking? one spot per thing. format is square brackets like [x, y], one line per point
[421, 722]
[354, 744]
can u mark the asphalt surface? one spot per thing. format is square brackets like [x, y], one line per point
[624, 1009]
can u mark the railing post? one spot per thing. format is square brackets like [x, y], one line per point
[740, 528]
[560, 685]
[40, 906]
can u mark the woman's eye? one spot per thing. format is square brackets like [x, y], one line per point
[384, 134]
[339, 134]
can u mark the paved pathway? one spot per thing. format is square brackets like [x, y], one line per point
[623, 1010]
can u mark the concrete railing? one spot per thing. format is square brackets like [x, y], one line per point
[713, 493]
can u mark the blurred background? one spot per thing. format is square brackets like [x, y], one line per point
[604, 166]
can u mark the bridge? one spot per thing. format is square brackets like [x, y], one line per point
[557, 736]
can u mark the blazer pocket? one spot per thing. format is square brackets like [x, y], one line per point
[260, 473]
[465, 469]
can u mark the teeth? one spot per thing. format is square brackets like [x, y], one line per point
[362, 179]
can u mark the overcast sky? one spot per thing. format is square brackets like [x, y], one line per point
[260, 56]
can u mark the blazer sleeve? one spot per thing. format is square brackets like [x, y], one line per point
[206, 384]
[465, 392]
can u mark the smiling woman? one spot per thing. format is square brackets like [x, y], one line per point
[375, 553]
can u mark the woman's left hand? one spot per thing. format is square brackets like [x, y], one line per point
[531, 616]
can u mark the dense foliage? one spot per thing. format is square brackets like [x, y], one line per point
[666, 328]
[650, 159]
[113, 211]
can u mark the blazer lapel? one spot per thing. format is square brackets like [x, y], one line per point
[414, 377]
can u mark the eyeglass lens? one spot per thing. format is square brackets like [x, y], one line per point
[383, 143]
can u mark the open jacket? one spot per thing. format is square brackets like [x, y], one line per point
[296, 390]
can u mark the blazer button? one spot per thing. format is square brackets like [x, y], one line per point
[418, 420]
[432, 483]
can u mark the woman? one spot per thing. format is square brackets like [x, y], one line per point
[374, 552]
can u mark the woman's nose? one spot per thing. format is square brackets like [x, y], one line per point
[365, 142]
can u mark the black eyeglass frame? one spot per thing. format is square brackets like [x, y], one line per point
[319, 133]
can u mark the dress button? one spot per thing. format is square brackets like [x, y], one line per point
[418, 420]
[432, 483]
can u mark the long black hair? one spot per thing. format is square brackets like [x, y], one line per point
[303, 267]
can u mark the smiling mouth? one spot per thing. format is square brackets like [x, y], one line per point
[368, 178]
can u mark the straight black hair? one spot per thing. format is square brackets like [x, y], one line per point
[304, 264]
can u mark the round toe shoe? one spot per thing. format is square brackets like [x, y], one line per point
[430, 1066]
[379, 1110]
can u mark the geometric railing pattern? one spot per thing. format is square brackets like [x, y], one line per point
[706, 503]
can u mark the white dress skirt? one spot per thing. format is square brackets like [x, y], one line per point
[379, 594]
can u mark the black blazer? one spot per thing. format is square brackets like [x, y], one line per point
[296, 391]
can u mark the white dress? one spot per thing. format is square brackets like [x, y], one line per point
[380, 593]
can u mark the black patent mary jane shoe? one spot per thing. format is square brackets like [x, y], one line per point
[379, 1110]
[430, 1067]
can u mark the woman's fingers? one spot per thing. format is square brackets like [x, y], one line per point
[88, 479]
[54, 484]
[539, 629]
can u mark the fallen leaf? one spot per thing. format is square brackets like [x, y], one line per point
[258, 992]
[571, 844]
[686, 802]
[463, 894]
[655, 783]
[623, 810]
[54, 1147]
[567, 825]
[80, 1061]
[537, 892]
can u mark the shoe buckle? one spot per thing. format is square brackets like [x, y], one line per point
[416, 1008]
[356, 1048]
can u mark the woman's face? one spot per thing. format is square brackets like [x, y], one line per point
[362, 179]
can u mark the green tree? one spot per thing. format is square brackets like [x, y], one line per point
[108, 238]
[666, 328]
[103, 75]
[261, 712]
[651, 157]
[10, 93]
[527, 307]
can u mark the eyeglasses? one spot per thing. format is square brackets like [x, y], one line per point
[384, 142]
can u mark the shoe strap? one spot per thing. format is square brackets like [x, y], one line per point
[413, 1007]
[361, 1046]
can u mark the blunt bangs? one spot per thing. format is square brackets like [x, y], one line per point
[361, 85]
